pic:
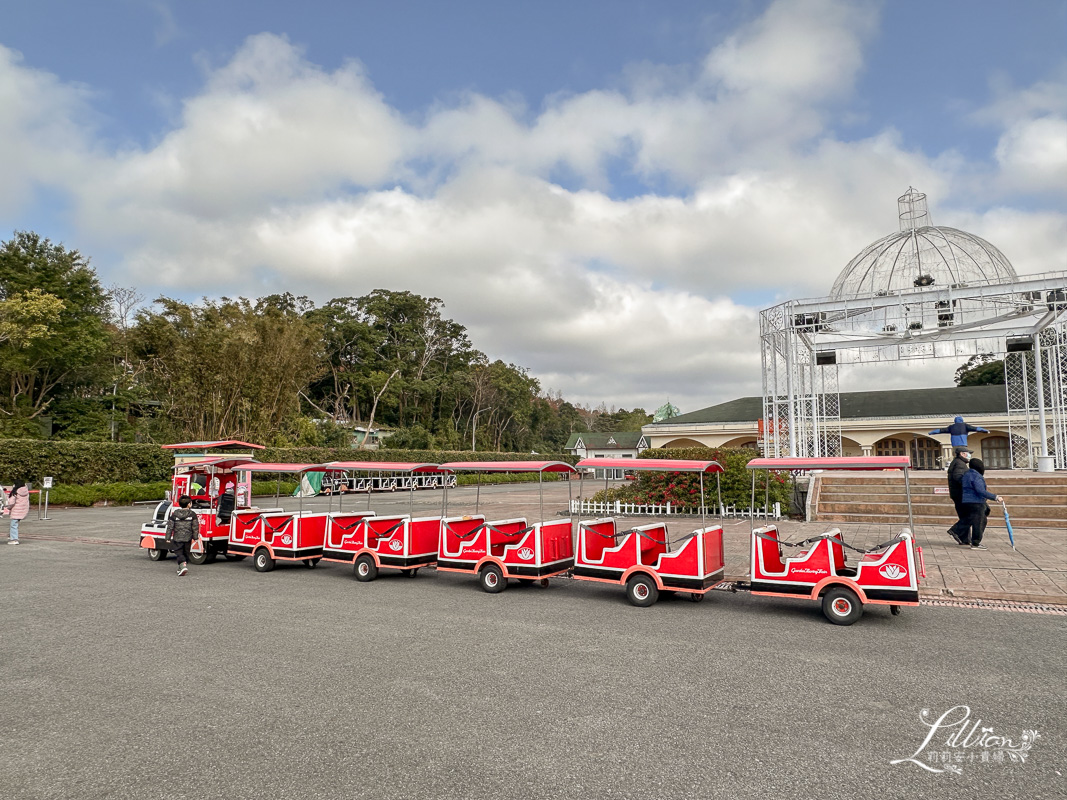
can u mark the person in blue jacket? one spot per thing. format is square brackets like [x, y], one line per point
[976, 509]
[959, 430]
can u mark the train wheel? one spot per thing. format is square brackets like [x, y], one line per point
[492, 579]
[157, 555]
[365, 568]
[411, 573]
[894, 610]
[641, 590]
[311, 563]
[841, 606]
[262, 560]
[199, 558]
[544, 583]
[695, 597]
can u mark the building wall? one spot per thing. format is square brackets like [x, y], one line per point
[859, 436]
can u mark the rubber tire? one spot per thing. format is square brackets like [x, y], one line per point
[211, 556]
[894, 610]
[641, 590]
[411, 573]
[695, 597]
[492, 579]
[365, 569]
[311, 563]
[262, 561]
[841, 606]
[196, 559]
[157, 555]
[233, 557]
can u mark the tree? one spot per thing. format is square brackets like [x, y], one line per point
[231, 368]
[981, 370]
[65, 349]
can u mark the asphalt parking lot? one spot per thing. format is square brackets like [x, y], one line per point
[122, 680]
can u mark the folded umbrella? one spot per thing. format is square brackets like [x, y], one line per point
[1007, 521]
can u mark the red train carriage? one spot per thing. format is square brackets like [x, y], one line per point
[215, 488]
[643, 559]
[819, 569]
[372, 543]
[273, 535]
[498, 550]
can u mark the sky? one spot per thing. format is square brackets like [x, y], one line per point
[604, 193]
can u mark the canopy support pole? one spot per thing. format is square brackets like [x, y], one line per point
[541, 494]
[752, 507]
[718, 495]
[907, 490]
[477, 492]
[703, 524]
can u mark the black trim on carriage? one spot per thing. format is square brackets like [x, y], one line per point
[285, 553]
[609, 573]
[406, 562]
[466, 566]
[539, 572]
[344, 556]
[240, 549]
[904, 595]
[672, 582]
[790, 589]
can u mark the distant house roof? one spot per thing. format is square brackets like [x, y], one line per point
[858, 405]
[592, 440]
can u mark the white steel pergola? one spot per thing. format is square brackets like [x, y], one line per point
[923, 292]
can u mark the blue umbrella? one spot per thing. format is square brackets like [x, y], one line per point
[1007, 521]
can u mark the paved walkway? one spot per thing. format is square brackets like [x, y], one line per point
[1035, 572]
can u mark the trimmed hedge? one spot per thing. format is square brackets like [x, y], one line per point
[683, 488]
[83, 463]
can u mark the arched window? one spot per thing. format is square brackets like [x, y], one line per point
[891, 447]
[996, 452]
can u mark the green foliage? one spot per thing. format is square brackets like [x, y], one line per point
[57, 340]
[120, 494]
[89, 365]
[981, 370]
[658, 488]
[84, 462]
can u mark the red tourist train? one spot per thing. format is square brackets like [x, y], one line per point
[641, 559]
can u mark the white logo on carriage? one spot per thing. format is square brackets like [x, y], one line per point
[526, 554]
[395, 544]
[893, 572]
[287, 539]
[954, 739]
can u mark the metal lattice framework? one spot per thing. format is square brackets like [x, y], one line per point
[1024, 407]
[921, 293]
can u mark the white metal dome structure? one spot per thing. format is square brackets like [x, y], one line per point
[921, 255]
[922, 292]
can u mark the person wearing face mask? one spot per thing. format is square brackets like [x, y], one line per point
[976, 507]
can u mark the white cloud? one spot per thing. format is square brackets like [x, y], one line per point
[281, 175]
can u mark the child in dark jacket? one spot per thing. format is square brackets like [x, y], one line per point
[182, 527]
[975, 495]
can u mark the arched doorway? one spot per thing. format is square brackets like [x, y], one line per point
[681, 443]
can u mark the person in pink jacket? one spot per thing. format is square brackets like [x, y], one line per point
[18, 506]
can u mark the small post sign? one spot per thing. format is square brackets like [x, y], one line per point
[46, 484]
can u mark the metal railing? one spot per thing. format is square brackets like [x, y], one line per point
[619, 508]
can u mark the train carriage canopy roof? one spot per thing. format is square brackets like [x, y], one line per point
[652, 464]
[846, 462]
[508, 466]
[210, 445]
[255, 466]
[378, 466]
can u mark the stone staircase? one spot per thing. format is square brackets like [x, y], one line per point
[1035, 500]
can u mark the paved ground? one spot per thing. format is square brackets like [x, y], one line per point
[1035, 572]
[121, 680]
